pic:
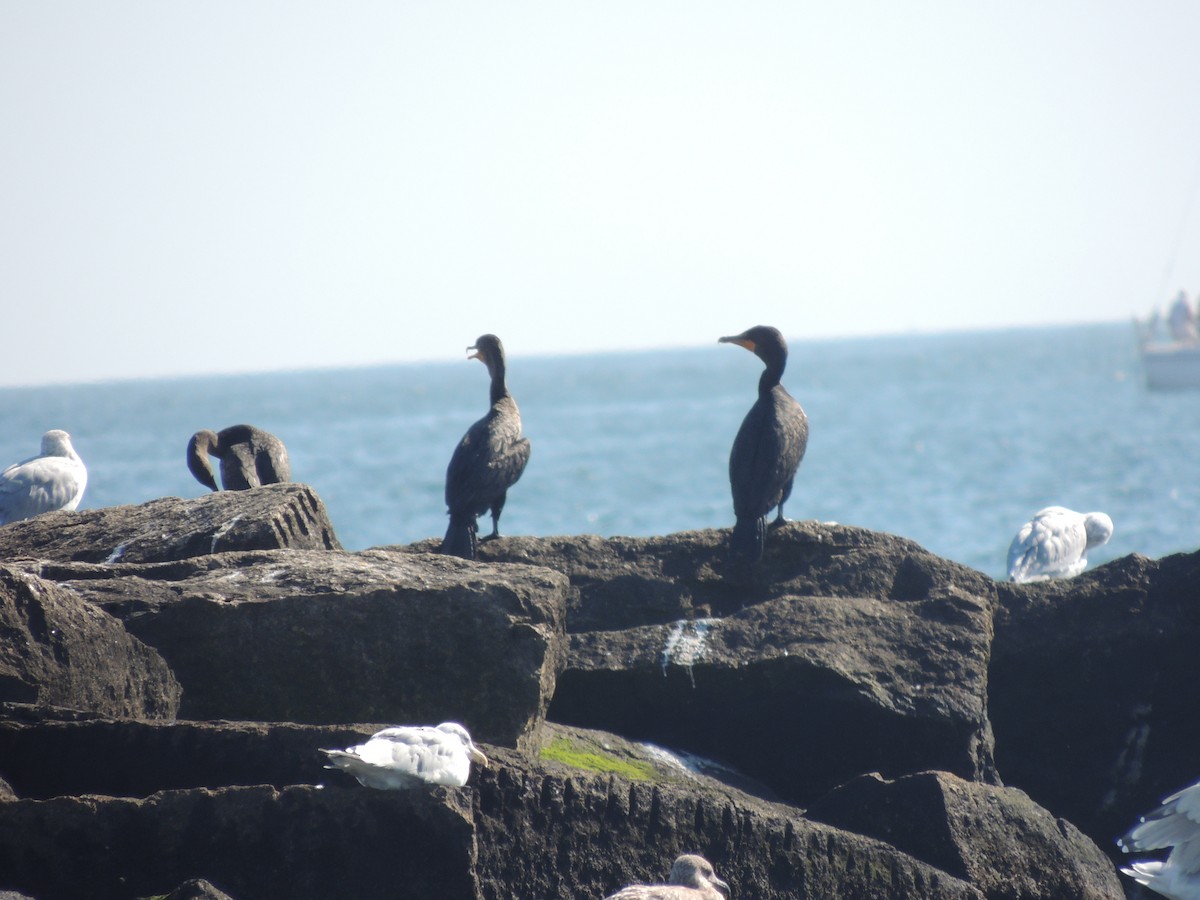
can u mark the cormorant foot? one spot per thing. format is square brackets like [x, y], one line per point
[777, 522]
[489, 537]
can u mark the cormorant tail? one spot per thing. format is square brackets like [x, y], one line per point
[746, 541]
[460, 538]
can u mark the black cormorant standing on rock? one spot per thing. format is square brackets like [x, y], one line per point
[487, 461]
[249, 456]
[768, 447]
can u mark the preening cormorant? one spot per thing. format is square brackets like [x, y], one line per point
[249, 457]
[768, 447]
[51, 481]
[487, 461]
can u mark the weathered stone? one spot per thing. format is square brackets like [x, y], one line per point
[1091, 690]
[548, 830]
[40, 754]
[275, 516]
[334, 637]
[994, 837]
[300, 842]
[802, 693]
[57, 650]
[197, 889]
[624, 582]
[844, 652]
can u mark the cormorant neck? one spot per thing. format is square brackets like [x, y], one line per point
[771, 376]
[499, 388]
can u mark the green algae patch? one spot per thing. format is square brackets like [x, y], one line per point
[592, 759]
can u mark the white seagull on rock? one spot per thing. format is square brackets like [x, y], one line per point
[52, 481]
[1055, 542]
[692, 878]
[1175, 824]
[407, 755]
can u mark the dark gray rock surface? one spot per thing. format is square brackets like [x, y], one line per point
[845, 651]
[1092, 689]
[197, 889]
[271, 517]
[58, 651]
[327, 637]
[994, 837]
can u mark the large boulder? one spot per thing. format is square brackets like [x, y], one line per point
[275, 516]
[335, 637]
[591, 812]
[300, 842]
[57, 650]
[1091, 689]
[846, 651]
[994, 837]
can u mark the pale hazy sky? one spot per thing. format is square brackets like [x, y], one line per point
[197, 187]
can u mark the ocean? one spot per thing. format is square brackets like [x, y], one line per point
[953, 440]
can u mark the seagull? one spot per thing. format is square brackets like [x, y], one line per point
[404, 756]
[1175, 824]
[1054, 544]
[249, 456]
[54, 480]
[692, 878]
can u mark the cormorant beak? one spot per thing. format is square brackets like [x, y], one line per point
[739, 340]
[478, 354]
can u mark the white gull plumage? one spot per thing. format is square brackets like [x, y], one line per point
[53, 480]
[692, 878]
[1175, 824]
[1055, 542]
[407, 755]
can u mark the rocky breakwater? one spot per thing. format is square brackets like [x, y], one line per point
[848, 678]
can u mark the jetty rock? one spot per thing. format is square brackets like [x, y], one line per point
[324, 637]
[274, 516]
[251, 811]
[845, 652]
[848, 674]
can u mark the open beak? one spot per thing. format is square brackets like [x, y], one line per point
[475, 355]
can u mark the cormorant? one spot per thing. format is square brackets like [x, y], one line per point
[487, 461]
[249, 456]
[51, 481]
[768, 447]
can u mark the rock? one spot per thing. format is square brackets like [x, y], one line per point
[334, 637]
[802, 693]
[624, 582]
[298, 842]
[40, 753]
[271, 517]
[57, 650]
[553, 831]
[197, 889]
[994, 837]
[1090, 689]
[592, 813]
[847, 652]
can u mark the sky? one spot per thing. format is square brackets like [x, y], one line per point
[240, 187]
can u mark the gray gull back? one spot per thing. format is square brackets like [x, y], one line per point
[409, 755]
[692, 878]
[52, 481]
[1054, 544]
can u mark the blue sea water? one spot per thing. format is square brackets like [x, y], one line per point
[953, 440]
